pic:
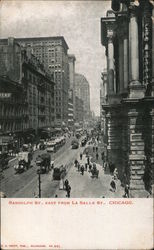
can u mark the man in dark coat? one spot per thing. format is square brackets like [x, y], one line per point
[113, 185]
[68, 190]
[80, 156]
[66, 183]
[82, 170]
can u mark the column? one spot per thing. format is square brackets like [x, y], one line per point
[125, 60]
[152, 94]
[121, 65]
[110, 65]
[133, 45]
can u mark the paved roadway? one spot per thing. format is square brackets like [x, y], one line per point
[26, 183]
[84, 186]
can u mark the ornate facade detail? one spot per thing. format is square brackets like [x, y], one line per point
[129, 123]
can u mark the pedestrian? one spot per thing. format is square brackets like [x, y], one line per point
[78, 165]
[68, 190]
[88, 160]
[93, 149]
[66, 183]
[102, 156]
[90, 167]
[112, 168]
[82, 170]
[115, 173]
[80, 156]
[113, 185]
[97, 156]
[126, 195]
[86, 165]
[76, 162]
[96, 149]
[106, 165]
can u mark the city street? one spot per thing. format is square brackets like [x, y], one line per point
[26, 184]
[87, 187]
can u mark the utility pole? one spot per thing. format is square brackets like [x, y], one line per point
[39, 180]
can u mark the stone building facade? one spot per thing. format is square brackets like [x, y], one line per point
[70, 110]
[103, 96]
[127, 33]
[71, 60]
[52, 52]
[13, 114]
[33, 93]
[82, 91]
[79, 107]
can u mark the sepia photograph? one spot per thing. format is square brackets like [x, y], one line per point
[76, 124]
[76, 99]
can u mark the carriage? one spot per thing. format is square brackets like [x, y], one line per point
[94, 172]
[44, 162]
[59, 173]
[24, 162]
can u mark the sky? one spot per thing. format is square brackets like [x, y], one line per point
[77, 21]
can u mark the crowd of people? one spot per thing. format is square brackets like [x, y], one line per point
[84, 164]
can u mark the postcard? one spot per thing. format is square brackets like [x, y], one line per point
[76, 124]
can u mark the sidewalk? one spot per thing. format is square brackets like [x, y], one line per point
[87, 187]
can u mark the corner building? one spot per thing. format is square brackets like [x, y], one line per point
[30, 107]
[52, 52]
[127, 32]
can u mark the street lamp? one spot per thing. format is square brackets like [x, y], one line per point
[39, 180]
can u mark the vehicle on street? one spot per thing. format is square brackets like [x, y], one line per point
[24, 162]
[51, 146]
[25, 147]
[75, 144]
[4, 160]
[94, 172]
[77, 135]
[43, 161]
[59, 172]
[42, 145]
[84, 141]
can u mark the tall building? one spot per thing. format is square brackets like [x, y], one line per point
[70, 110]
[13, 114]
[31, 103]
[82, 91]
[127, 34]
[71, 60]
[52, 52]
[79, 111]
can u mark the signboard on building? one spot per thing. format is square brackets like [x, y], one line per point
[5, 95]
[5, 139]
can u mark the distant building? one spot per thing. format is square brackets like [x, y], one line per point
[79, 110]
[33, 90]
[52, 52]
[70, 110]
[82, 91]
[71, 60]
